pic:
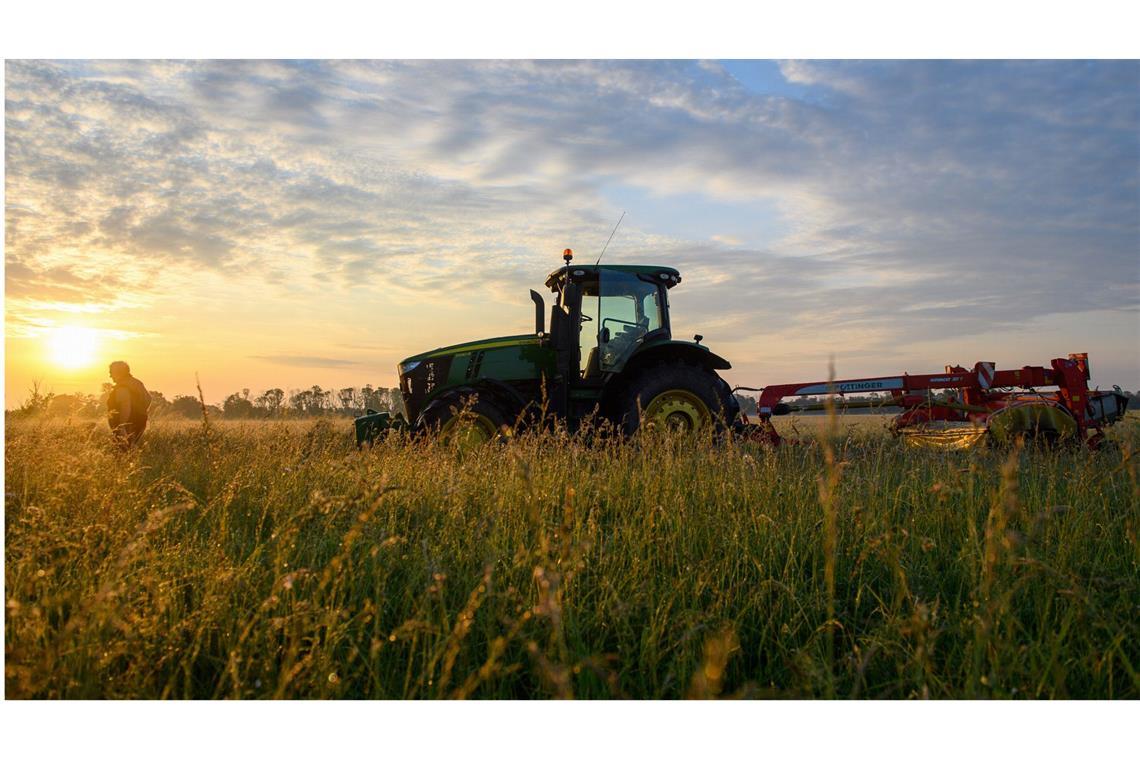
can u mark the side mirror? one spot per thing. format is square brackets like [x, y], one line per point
[539, 313]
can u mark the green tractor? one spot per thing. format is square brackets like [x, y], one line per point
[609, 355]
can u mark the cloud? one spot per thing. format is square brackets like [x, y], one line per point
[59, 284]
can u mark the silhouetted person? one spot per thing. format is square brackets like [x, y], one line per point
[127, 406]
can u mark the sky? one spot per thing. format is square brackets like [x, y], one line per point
[258, 224]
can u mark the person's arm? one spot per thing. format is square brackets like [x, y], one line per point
[123, 404]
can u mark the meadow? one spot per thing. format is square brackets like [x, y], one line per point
[274, 560]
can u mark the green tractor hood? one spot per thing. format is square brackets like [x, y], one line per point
[474, 345]
[508, 360]
[498, 361]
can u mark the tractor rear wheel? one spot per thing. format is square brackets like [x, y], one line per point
[464, 419]
[675, 396]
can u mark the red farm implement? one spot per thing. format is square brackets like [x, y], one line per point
[960, 407]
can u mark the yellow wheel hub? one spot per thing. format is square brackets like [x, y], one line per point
[678, 410]
[467, 430]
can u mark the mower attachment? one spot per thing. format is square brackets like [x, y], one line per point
[961, 408]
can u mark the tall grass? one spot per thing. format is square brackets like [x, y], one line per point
[275, 560]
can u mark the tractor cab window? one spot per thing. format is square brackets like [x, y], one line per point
[588, 335]
[624, 308]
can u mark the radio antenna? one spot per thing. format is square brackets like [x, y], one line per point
[607, 245]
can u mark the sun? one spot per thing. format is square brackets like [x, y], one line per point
[73, 347]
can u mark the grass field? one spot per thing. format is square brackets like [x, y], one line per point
[274, 560]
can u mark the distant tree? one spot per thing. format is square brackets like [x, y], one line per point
[382, 399]
[301, 401]
[747, 403]
[186, 406]
[37, 401]
[270, 401]
[396, 401]
[348, 398]
[237, 406]
[159, 406]
[368, 398]
[320, 399]
[74, 405]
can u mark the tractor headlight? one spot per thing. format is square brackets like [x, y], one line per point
[407, 367]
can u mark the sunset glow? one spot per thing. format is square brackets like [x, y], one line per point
[73, 347]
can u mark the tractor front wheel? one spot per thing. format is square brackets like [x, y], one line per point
[464, 420]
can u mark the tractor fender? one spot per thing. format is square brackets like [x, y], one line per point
[676, 350]
[658, 352]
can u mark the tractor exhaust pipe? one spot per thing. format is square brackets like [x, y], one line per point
[539, 313]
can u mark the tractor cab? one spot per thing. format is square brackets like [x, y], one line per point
[604, 313]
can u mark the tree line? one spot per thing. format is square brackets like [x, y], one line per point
[273, 403]
[316, 401]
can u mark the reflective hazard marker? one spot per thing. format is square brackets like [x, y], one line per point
[985, 374]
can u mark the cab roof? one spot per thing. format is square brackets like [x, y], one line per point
[667, 275]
